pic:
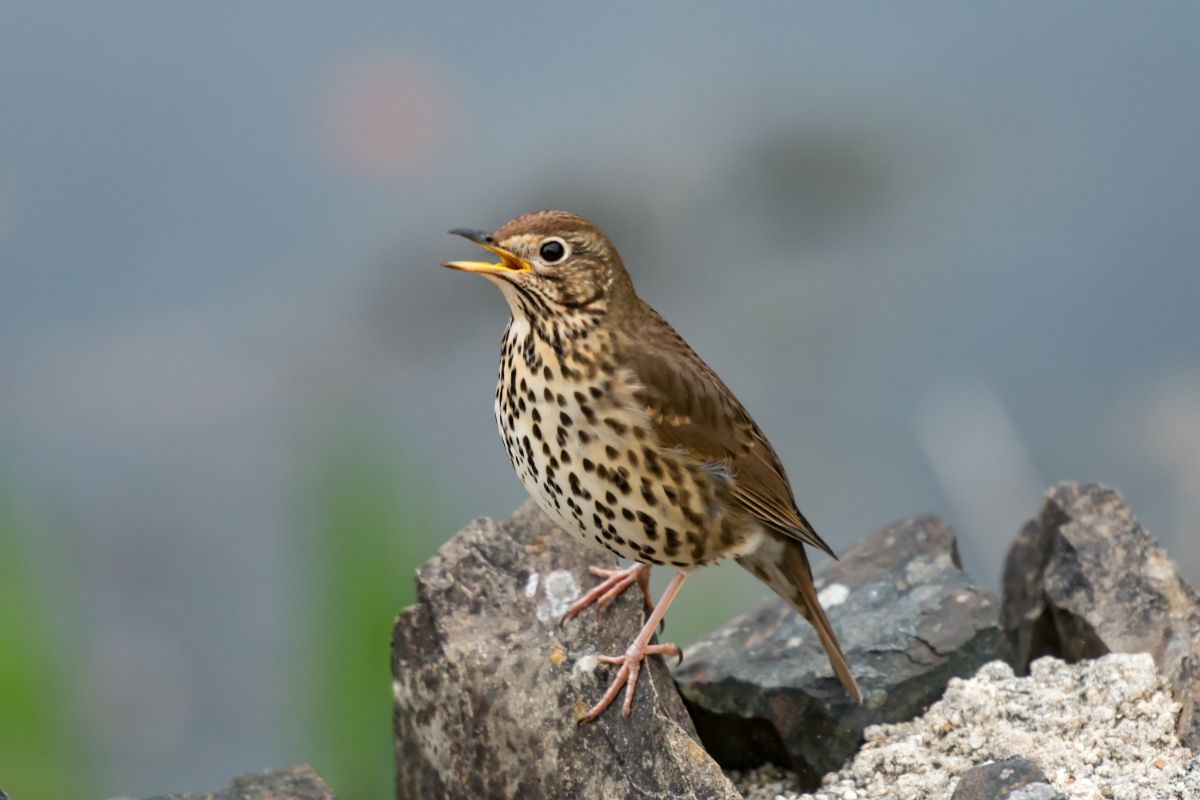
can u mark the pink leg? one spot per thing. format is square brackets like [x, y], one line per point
[631, 661]
[615, 581]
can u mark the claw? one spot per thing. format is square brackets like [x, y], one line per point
[615, 582]
[627, 676]
[631, 661]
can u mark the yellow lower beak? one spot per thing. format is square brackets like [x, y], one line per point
[508, 262]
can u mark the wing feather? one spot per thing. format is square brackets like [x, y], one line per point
[692, 410]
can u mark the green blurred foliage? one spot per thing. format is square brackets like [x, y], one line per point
[40, 728]
[374, 520]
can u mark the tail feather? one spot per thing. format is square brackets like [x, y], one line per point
[790, 576]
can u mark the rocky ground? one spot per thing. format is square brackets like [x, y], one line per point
[1081, 681]
[1096, 729]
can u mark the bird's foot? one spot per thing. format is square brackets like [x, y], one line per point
[615, 581]
[627, 676]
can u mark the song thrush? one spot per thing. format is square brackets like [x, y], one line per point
[625, 437]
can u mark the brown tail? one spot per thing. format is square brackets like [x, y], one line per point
[790, 576]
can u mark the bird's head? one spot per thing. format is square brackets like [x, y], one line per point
[552, 264]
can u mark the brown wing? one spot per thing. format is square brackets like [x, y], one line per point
[691, 409]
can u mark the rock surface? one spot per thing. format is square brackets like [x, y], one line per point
[1097, 729]
[1010, 779]
[1084, 579]
[297, 783]
[760, 688]
[488, 688]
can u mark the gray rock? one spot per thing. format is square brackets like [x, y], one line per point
[760, 688]
[1010, 779]
[488, 688]
[1084, 579]
[297, 783]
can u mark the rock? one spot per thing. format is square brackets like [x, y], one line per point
[488, 688]
[1084, 579]
[1101, 728]
[297, 783]
[760, 688]
[1001, 780]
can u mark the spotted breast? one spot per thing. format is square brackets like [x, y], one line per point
[582, 445]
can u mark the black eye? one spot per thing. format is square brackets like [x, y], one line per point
[553, 251]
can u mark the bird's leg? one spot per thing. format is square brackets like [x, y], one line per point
[615, 581]
[631, 660]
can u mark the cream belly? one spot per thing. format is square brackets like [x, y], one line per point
[585, 452]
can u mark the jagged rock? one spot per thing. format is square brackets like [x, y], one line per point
[488, 688]
[909, 619]
[1009, 779]
[297, 783]
[1084, 579]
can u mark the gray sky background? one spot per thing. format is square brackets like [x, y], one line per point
[945, 253]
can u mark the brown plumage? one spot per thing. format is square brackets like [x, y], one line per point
[626, 437]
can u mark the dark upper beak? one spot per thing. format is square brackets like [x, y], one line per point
[508, 261]
[472, 234]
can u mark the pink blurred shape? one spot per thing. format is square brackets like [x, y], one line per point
[385, 116]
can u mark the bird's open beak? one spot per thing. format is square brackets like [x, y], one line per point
[508, 261]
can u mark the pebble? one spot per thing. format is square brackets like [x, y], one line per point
[1098, 729]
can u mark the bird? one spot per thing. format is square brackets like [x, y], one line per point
[627, 439]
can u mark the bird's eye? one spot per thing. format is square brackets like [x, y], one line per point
[553, 251]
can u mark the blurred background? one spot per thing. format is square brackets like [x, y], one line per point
[945, 253]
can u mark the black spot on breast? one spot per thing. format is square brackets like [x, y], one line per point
[611, 451]
[537, 431]
[617, 426]
[610, 497]
[537, 415]
[564, 419]
[649, 525]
